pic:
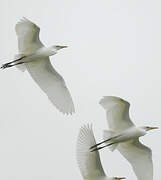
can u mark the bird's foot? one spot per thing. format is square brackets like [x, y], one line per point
[7, 65]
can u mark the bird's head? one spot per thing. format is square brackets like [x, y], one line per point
[58, 47]
[148, 128]
[118, 178]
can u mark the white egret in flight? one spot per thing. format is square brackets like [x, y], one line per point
[89, 163]
[34, 57]
[124, 136]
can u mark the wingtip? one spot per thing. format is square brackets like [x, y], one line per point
[24, 20]
[64, 112]
[71, 112]
[86, 136]
[107, 99]
[103, 101]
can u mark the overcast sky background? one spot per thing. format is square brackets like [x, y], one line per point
[114, 49]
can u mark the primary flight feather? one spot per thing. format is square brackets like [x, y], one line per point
[34, 57]
[89, 163]
[124, 136]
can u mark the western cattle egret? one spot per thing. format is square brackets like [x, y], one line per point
[124, 136]
[89, 163]
[34, 57]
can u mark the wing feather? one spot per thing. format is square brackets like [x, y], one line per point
[89, 162]
[140, 158]
[28, 36]
[52, 84]
[117, 113]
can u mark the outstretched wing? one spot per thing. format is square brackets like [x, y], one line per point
[89, 162]
[28, 36]
[140, 158]
[52, 84]
[117, 113]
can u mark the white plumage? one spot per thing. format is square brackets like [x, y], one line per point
[28, 36]
[124, 136]
[117, 111]
[52, 84]
[89, 162]
[34, 57]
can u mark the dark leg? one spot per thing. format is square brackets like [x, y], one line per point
[104, 141]
[7, 65]
[98, 148]
[10, 64]
[100, 143]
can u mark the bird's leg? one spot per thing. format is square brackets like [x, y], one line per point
[100, 143]
[17, 59]
[10, 64]
[105, 141]
[19, 63]
[98, 148]
[7, 65]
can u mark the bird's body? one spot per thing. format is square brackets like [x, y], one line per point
[34, 57]
[89, 163]
[124, 136]
[127, 135]
[43, 52]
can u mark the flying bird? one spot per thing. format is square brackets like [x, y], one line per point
[124, 136]
[89, 163]
[34, 57]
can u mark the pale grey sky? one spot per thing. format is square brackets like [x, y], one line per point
[114, 49]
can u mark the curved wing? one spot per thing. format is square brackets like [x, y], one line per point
[28, 36]
[140, 158]
[52, 84]
[89, 162]
[117, 113]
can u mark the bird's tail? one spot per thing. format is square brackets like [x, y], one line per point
[107, 134]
